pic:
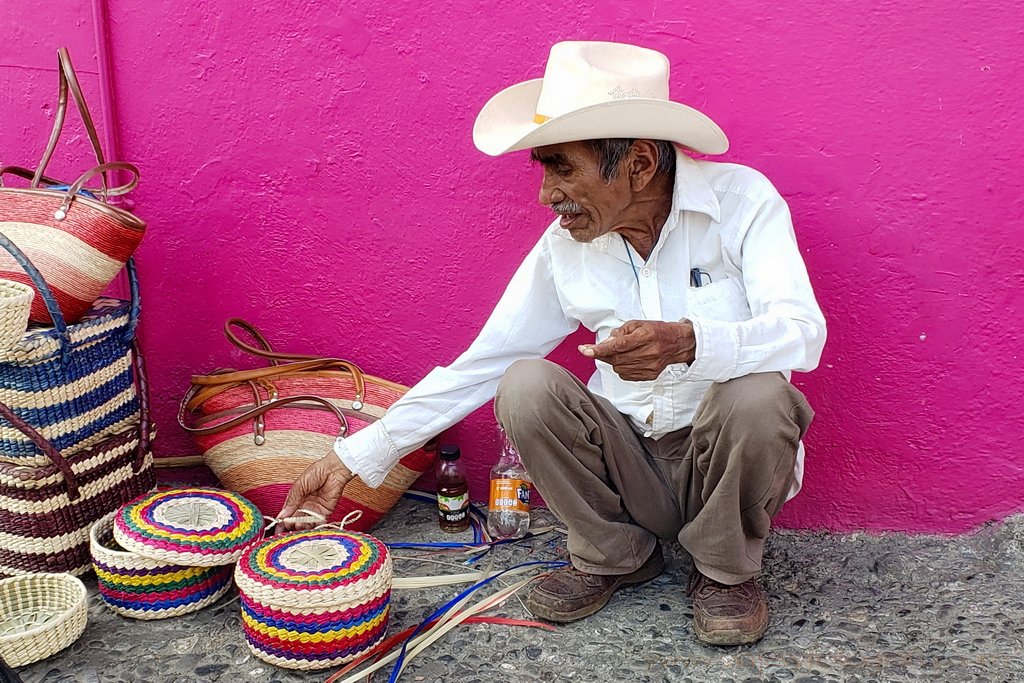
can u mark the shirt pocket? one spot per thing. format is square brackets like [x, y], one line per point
[724, 300]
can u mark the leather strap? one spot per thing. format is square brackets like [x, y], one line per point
[68, 80]
[223, 377]
[142, 390]
[45, 446]
[72, 192]
[256, 413]
[283, 365]
[27, 174]
[265, 350]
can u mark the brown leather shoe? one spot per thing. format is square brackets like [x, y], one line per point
[569, 594]
[728, 615]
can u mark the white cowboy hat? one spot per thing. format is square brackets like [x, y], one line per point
[594, 90]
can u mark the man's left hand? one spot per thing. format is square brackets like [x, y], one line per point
[640, 350]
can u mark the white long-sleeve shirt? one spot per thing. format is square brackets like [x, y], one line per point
[755, 311]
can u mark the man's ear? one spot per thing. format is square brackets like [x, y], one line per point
[642, 164]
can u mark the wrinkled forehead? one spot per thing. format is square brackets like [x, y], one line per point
[563, 153]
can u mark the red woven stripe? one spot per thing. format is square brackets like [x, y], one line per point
[358, 613]
[327, 649]
[157, 595]
[96, 228]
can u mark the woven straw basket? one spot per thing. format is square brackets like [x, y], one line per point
[192, 527]
[314, 599]
[143, 588]
[260, 429]
[15, 304]
[75, 432]
[40, 614]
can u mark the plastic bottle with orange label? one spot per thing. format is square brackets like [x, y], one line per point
[508, 513]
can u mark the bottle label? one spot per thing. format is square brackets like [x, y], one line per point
[453, 508]
[510, 494]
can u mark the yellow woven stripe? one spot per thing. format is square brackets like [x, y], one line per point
[319, 636]
[244, 527]
[149, 580]
[71, 252]
[354, 569]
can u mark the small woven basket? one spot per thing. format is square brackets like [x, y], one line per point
[191, 527]
[15, 305]
[40, 614]
[314, 599]
[142, 588]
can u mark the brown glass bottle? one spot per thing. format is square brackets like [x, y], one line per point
[452, 491]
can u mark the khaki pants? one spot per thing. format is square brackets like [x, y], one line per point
[715, 485]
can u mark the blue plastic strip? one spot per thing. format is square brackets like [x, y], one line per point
[448, 605]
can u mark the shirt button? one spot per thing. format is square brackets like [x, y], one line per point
[646, 272]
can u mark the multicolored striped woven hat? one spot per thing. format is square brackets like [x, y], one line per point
[141, 588]
[314, 599]
[194, 527]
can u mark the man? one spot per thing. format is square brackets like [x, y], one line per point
[689, 275]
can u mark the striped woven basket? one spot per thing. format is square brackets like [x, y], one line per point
[74, 431]
[142, 588]
[196, 527]
[314, 599]
[260, 429]
[78, 242]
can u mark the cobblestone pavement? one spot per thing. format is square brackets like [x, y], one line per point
[854, 607]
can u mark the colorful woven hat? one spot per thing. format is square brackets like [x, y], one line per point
[193, 527]
[141, 588]
[314, 599]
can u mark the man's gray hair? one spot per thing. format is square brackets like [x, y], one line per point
[611, 151]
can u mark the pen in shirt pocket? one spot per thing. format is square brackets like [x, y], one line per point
[697, 277]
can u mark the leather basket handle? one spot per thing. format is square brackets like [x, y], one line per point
[265, 350]
[72, 192]
[27, 174]
[255, 413]
[45, 446]
[222, 380]
[68, 81]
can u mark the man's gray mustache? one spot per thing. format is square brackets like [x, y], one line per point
[567, 206]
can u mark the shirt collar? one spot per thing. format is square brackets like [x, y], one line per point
[692, 192]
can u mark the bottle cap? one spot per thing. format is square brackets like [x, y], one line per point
[450, 452]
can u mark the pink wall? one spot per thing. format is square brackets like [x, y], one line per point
[309, 166]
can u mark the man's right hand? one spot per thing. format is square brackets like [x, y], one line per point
[640, 350]
[318, 490]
